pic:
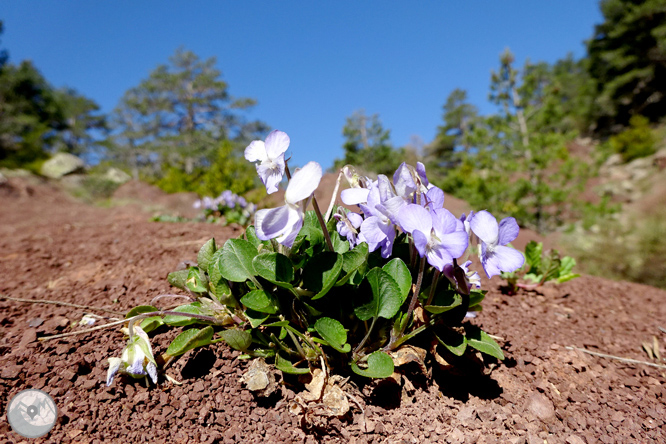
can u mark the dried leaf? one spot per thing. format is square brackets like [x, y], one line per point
[259, 378]
[648, 349]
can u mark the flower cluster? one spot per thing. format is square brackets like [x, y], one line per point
[234, 208]
[407, 203]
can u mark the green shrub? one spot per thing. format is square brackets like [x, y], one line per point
[636, 141]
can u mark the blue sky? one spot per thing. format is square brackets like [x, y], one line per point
[309, 64]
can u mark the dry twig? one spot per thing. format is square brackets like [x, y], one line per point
[617, 358]
[66, 304]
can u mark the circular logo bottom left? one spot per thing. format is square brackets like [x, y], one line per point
[32, 413]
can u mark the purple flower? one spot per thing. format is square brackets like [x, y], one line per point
[270, 155]
[472, 278]
[284, 223]
[437, 234]
[348, 226]
[137, 359]
[495, 257]
[378, 228]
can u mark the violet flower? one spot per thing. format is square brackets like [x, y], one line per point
[270, 155]
[472, 278]
[284, 223]
[495, 257]
[137, 359]
[349, 225]
[437, 234]
[378, 228]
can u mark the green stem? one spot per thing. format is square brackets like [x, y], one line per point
[433, 286]
[367, 335]
[412, 302]
[329, 244]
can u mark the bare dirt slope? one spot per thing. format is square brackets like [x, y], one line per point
[57, 249]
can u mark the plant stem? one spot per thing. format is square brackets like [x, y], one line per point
[367, 335]
[433, 286]
[327, 236]
[329, 244]
[334, 196]
[131, 320]
[65, 304]
[412, 304]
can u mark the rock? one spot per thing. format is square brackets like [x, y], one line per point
[116, 176]
[541, 407]
[62, 164]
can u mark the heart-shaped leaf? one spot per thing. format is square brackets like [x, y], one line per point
[385, 300]
[480, 340]
[321, 273]
[398, 270]
[190, 339]
[380, 365]
[275, 268]
[237, 339]
[261, 301]
[206, 254]
[334, 333]
[236, 260]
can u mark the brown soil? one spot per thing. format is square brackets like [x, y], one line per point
[54, 248]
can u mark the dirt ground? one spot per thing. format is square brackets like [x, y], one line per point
[543, 392]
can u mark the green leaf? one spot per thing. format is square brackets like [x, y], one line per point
[256, 318]
[567, 277]
[152, 323]
[443, 301]
[179, 321]
[480, 340]
[195, 281]
[566, 266]
[178, 278]
[533, 252]
[311, 229]
[218, 285]
[386, 299]
[380, 365]
[190, 339]
[251, 235]
[476, 296]
[140, 309]
[236, 260]
[398, 270]
[261, 301]
[237, 339]
[334, 333]
[352, 261]
[275, 268]
[285, 366]
[455, 342]
[206, 254]
[340, 246]
[321, 273]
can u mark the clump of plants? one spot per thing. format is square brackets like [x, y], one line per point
[636, 141]
[337, 292]
[540, 267]
[227, 208]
